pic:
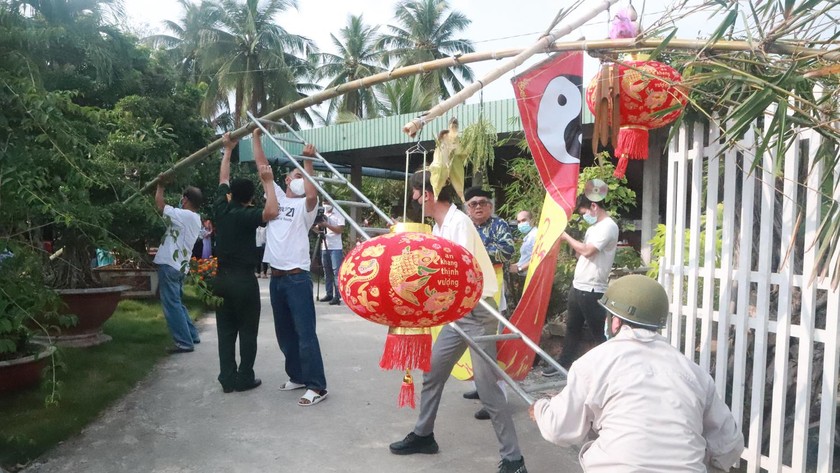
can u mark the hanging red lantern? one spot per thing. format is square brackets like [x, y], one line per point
[649, 97]
[410, 281]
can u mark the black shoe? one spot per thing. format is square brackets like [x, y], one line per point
[413, 443]
[176, 349]
[227, 389]
[513, 466]
[325, 299]
[255, 384]
[482, 414]
[335, 301]
[550, 372]
[471, 394]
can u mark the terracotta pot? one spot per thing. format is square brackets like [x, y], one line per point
[24, 372]
[92, 306]
[143, 282]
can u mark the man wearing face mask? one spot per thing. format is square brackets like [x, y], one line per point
[524, 223]
[172, 259]
[652, 409]
[596, 254]
[332, 252]
[292, 299]
[454, 225]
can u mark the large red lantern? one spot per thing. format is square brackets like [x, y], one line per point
[410, 281]
[649, 97]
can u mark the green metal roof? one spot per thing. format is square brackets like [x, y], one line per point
[376, 132]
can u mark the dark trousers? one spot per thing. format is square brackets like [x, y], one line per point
[261, 268]
[237, 317]
[582, 307]
[294, 325]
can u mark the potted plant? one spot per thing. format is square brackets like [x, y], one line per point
[22, 294]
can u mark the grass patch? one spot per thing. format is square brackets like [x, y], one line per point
[91, 380]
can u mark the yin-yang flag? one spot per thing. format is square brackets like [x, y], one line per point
[550, 97]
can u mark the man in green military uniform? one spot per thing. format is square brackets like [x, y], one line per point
[236, 220]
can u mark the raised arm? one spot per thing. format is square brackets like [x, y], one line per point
[159, 202]
[224, 168]
[271, 209]
[259, 155]
[310, 191]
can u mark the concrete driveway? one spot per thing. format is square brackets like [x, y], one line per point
[179, 421]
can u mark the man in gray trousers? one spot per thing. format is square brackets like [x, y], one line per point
[456, 226]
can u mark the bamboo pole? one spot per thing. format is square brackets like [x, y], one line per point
[595, 45]
[544, 43]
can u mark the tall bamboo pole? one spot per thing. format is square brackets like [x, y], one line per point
[544, 43]
[595, 45]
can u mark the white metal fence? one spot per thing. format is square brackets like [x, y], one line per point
[740, 254]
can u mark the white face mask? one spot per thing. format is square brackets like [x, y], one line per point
[328, 209]
[296, 186]
[590, 219]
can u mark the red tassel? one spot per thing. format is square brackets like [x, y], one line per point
[407, 349]
[621, 167]
[632, 142]
[407, 391]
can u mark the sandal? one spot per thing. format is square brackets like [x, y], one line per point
[310, 398]
[291, 386]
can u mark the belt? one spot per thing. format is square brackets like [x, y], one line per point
[279, 273]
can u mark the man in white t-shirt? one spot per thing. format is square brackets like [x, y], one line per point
[332, 252]
[173, 256]
[456, 226]
[292, 300]
[596, 254]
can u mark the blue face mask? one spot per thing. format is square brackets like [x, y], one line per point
[524, 227]
[590, 219]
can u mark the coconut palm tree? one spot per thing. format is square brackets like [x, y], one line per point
[426, 30]
[406, 95]
[184, 41]
[358, 57]
[246, 52]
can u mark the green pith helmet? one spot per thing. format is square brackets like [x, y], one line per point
[637, 299]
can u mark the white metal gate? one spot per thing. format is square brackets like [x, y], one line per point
[739, 258]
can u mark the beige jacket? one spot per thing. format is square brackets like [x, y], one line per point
[652, 409]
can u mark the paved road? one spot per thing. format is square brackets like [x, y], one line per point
[179, 421]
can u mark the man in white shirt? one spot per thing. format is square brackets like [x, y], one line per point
[650, 408]
[172, 259]
[292, 299]
[596, 254]
[332, 252]
[456, 226]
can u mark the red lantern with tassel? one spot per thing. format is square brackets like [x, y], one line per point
[410, 281]
[649, 97]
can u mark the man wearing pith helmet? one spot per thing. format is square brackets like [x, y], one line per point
[651, 408]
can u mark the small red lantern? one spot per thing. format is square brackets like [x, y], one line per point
[649, 97]
[410, 281]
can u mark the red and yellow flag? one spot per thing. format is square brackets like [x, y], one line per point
[550, 98]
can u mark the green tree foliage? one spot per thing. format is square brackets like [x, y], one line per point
[406, 95]
[426, 30]
[76, 153]
[358, 57]
[246, 53]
